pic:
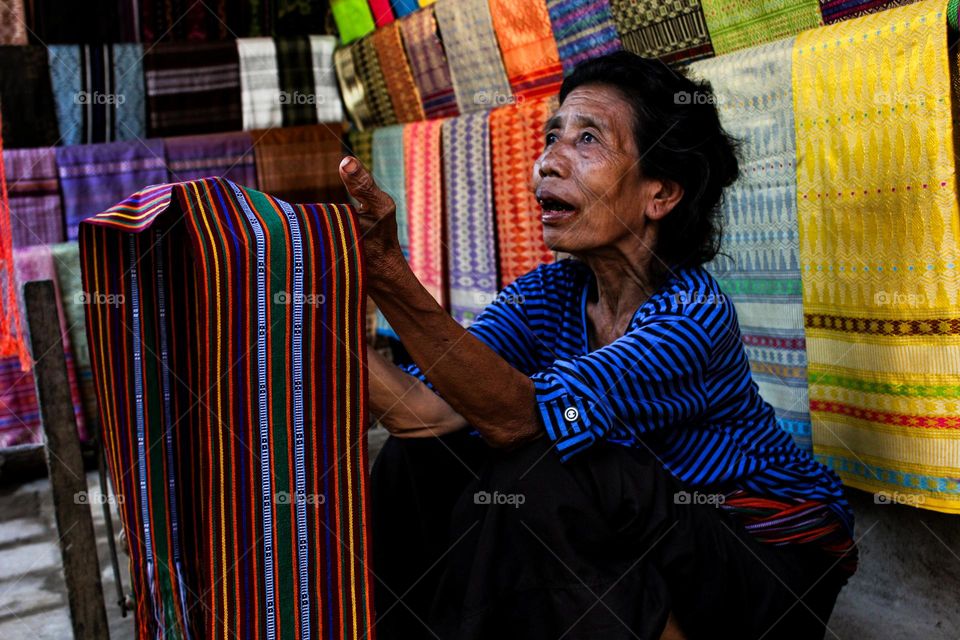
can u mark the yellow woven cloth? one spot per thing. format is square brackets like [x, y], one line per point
[880, 251]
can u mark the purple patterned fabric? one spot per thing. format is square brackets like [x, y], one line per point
[583, 30]
[34, 190]
[226, 155]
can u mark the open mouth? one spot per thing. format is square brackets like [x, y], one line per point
[554, 208]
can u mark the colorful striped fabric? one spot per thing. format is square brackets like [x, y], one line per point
[245, 511]
[12, 341]
[353, 19]
[221, 155]
[26, 98]
[92, 176]
[428, 60]
[476, 68]
[837, 10]
[471, 229]
[301, 163]
[13, 25]
[582, 30]
[760, 268]
[99, 92]
[259, 83]
[673, 31]
[529, 50]
[34, 192]
[734, 24]
[880, 251]
[397, 75]
[375, 93]
[389, 171]
[516, 135]
[422, 150]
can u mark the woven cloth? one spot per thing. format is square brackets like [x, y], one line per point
[192, 88]
[734, 24]
[760, 268]
[248, 508]
[837, 10]
[308, 86]
[93, 176]
[880, 251]
[259, 83]
[516, 137]
[12, 340]
[301, 163]
[471, 229]
[221, 155]
[13, 25]
[182, 20]
[476, 68]
[404, 7]
[429, 64]
[353, 19]
[375, 92]
[389, 171]
[351, 87]
[34, 191]
[672, 31]
[329, 107]
[382, 12]
[397, 75]
[424, 176]
[582, 30]
[26, 98]
[360, 144]
[529, 50]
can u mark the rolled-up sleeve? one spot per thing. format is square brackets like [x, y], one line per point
[651, 378]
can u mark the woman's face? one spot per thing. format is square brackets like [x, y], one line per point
[588, 180]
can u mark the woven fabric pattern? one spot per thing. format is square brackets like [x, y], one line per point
[34, 191]
[421, 150]
[582, 30]
[529, 50]
[428, 60]
[673, 31]
[397, 76]
[734, 24]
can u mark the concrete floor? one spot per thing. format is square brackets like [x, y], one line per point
[908, 585]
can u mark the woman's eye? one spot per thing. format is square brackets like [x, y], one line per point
[588, 137]
[551, 138]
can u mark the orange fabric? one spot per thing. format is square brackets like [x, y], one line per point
[516, 134]
[12, 338]
[529, 50]
[397, 74]
[424, 181]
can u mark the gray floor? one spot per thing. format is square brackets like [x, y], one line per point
[908, 585]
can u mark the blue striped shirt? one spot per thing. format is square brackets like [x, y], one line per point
[678, 382]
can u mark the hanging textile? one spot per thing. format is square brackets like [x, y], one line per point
[836, 10]
[471, 230]
[404, 7]
[673, 32]
[246, 512]
[221, 155]
[12, 341]
[259, 83]
[308, 91]
[327, 96]
[880, 251]
[530, 53]
[397, 76]
[582, 31]
[192, 88]
[92, 176]
[389, 172]
[34, 192]
[382, 13]
[353, 19]
[421, 150]
[351, 87]
[301, 163]
[360, 145]
[516, 135]
[87, 22]
[26, 98]
[760, 268]
[735, 25]
[13, 25]
[182, 20]
[371, 77]
[99, 92]
[428, 61]
[476, 68]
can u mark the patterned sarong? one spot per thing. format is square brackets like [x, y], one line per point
[529, 50]
[582, 30]
[26, 98]
[259, 83]
[880, 251]
[12, 340]
[375, 92]
[389, 171]
[837, 10]
[760, 270]
[308, 92]
[673, 31]
[429, 64]
[221, 155]
[734, 24]
[301, 163]
[397, 75]
[231, 384]
[421, 150]
[353, 19]
[34, 191]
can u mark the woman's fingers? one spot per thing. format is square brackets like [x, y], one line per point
[360, 184]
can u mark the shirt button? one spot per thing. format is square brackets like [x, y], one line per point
[571, 414]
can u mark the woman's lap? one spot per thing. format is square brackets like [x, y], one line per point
[475, 543]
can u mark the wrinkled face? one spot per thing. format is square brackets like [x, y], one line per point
[588, 180]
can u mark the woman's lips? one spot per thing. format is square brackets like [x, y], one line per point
[556, 216]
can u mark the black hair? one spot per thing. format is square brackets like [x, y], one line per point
[679, 138]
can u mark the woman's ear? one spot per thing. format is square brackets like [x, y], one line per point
[666, 195]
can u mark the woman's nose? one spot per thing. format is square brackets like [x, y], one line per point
[551, 163]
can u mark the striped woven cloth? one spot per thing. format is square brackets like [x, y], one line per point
[246, 512]
[351, 87]
[192, 88]
[476, 69]
[353, 19]
[516, 135]
[582, 30]
[880, 251]
[837, 10]
[93, 176]
[673, 31]
[360, 144]
[428, 60]
[421, 151]
[259, 83]
[308, 86]
[221, 155]
[34, 192]
[389, 171]
[529, 50]
[734, 24]
[375, 93]
[471, 229]
[397, 75]
[26, 98]
[301, 163]
[13, 23]
[760, 268]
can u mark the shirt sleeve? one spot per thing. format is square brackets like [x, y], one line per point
[651, 378]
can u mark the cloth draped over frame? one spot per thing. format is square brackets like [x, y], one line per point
[221, 155]
[529, 50]
[99, 92]
[34, 194]
[880, 251]
[760, 270]
[516, 135]
[675, 31]
[389, 171]
[582, 30]
[425, 219]
[93, 176]
[428, 60]
[471, 229]
[476, 68]
[397, 75]
[354, 19]
[301, 163]
[735, 25]
[192, 88]
[246, 513]
[13, 25]
[26, 98]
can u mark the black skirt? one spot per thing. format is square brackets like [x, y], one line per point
[474, 543]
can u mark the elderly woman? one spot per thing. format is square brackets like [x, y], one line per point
[592, 459]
